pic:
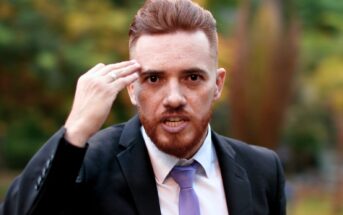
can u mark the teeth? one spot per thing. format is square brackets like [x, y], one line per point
[173, 124]
[174, 119]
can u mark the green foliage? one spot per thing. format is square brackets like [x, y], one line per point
[306, 135]
[46, 45]
[307, 130]
[318, 91]
[318, 14]
[23, 139]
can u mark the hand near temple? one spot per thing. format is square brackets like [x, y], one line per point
[96, 91]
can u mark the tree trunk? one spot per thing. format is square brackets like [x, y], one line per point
[263, 71]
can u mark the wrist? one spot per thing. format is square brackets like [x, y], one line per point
[76, 136]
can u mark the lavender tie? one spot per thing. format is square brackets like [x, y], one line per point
[188, 200]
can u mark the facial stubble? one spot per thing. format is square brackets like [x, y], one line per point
[177, 145]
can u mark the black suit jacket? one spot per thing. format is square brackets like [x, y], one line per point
[114, 176]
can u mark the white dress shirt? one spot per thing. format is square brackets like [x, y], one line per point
[208, 183]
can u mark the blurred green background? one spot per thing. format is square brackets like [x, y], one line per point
[284, 88]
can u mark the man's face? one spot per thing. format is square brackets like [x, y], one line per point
[178, 83]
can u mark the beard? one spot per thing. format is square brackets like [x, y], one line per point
[183, 144]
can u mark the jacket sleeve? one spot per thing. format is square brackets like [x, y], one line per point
[279, 204]
[47, 180]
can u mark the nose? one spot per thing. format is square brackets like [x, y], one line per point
[174, 98]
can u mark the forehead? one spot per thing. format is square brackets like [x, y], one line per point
[173, 50]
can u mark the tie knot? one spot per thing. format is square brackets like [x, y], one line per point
[184, 175]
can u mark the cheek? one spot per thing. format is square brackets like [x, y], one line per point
[202, 106]
[202, 98]
[146, 101]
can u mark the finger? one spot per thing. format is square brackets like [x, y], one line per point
[125, 81]
[128, 70]
[96, 67]
[123, 72]
[115, 66]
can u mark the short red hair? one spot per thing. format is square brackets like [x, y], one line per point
[168, 16]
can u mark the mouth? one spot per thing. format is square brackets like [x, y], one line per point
[174, 124]
[174, 121]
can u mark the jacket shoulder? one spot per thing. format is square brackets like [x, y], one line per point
[263, 169]
[256, 160]
[249, 151]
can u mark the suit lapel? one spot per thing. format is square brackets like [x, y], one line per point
[235, 179]
[137, 169]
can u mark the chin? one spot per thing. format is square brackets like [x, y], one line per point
[182, 144]
[178, 145]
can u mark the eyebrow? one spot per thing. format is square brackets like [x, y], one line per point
[195, 70]
[151, 71]
[186, 71]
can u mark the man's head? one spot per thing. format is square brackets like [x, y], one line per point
[179, 80]
[167, 16]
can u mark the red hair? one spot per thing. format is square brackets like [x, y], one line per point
[168, 16]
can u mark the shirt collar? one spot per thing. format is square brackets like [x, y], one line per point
[163, 163]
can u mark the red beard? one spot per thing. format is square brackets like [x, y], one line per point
[177, 144]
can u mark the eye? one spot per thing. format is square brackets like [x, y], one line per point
[153, 78]
[194, 77]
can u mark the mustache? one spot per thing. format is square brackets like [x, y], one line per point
[175, 112]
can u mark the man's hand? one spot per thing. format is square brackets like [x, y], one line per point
[95, 93]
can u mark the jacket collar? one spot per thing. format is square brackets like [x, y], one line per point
[137, 169]
[235, 179]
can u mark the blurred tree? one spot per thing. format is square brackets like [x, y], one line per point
[264, 67]
[305, 135]
[323, 61]
[328, 80]
[44, 47]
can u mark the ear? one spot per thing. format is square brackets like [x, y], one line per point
[220, 79]
[130, 89]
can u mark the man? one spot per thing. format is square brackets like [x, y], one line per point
[131, 168]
